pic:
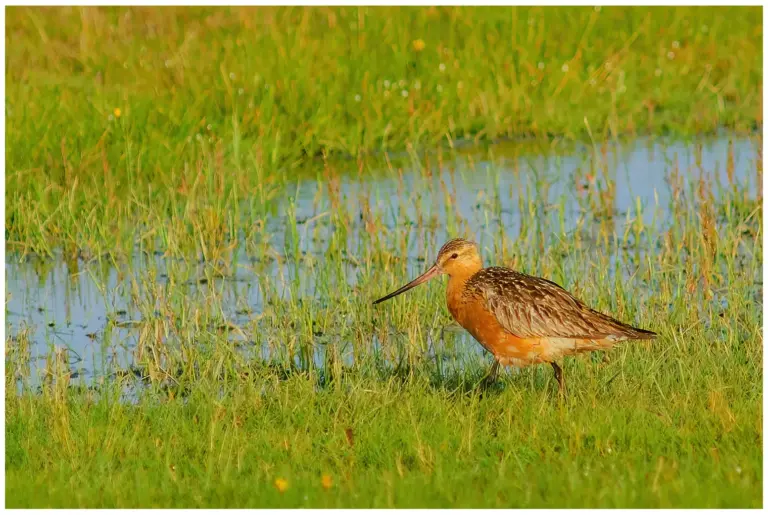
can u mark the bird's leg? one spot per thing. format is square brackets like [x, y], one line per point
[494, 372]
[559, 377]
[490, 377]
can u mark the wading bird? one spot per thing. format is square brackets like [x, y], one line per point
[522, 320]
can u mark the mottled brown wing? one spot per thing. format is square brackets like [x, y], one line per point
[531, 307]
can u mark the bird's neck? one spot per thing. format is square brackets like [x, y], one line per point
[459, 278]
[455, 292]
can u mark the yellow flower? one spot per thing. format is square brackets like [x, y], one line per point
[418, 45]
[117, 112]
[281, 485]
[326, 481]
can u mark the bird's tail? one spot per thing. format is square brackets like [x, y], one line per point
[625, 331]
[636, 333]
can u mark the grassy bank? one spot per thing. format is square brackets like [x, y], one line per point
[121, 119]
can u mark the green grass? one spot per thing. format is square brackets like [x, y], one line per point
[676, 422]
[221, 106]
[642, 442]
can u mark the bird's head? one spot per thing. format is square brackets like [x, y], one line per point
[458, 257]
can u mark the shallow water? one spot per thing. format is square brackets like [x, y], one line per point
[73, 305]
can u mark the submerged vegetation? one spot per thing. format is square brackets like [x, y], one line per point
[202, 204]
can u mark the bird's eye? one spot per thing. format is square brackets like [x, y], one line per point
[454, 256]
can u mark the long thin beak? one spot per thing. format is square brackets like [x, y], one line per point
[426, 276]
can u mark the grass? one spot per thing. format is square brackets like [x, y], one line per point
[260, 373]
[119, 119]
[388, 443]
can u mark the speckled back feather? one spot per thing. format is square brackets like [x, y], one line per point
[530, 307]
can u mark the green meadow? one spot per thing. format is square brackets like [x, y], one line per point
[202, 203]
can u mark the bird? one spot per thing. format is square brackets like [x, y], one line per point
[520, 319]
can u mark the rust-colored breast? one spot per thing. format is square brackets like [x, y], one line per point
[471, 313]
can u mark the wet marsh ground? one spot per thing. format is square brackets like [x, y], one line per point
[189, 282]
